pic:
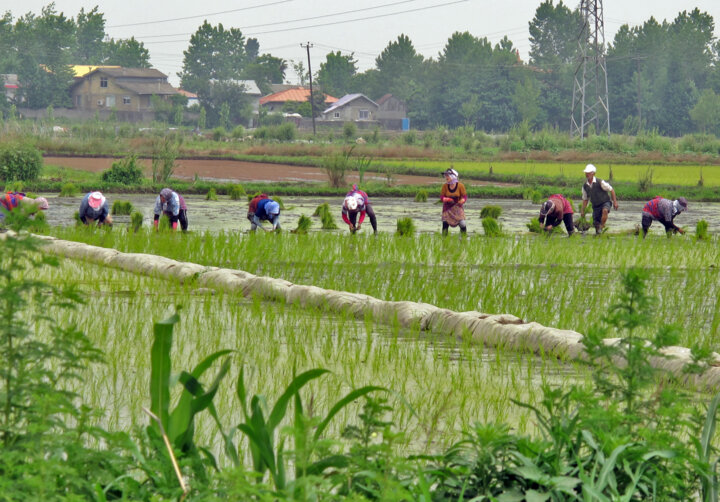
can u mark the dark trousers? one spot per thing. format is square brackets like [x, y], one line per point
[446, 228]
[181, 217]
[369, 212]
[567, 219]
[647, 221]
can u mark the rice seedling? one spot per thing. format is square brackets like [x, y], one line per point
[303, 225]
[211, 195]
[421, 196]
[236, 192]
[121, 207]
[323, 211]
[701, 230]
[136, 221]
[491, 212]
[491, 227]
[68, 190]
[405, 226]
[534, 226]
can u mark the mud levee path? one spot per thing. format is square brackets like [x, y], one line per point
[236, 170]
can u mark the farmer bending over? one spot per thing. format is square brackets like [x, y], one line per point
[664, 211]
[172, 205]
[11, 200]
[263, 208]
[354, 208]
[555, 210]
[94, 207]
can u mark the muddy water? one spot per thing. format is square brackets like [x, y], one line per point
[230, 215]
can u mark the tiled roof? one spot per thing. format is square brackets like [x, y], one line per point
[187, 94]
[347, 99]
[295, 94]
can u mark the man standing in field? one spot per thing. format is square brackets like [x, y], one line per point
[555, 210]
[599, 193]
[664, 211]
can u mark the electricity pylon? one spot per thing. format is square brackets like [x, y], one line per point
[590, 89]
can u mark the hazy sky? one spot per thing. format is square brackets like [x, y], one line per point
[361, 28]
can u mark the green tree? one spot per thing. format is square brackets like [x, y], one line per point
[706, 112]
[525, 99]
[89, 37]
[336, 74]
[266, 70]
[397, 64]
[128, 53]
[214, 54]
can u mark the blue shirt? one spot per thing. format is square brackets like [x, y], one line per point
[86, 212]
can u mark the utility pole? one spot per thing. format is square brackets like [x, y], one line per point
[590, 88]
[312, 98]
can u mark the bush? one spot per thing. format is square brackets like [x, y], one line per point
[421, 196]
[349, 131]
[491, 227]
[20, 162]
[238, 132]
[491, 212]
[645, 180]
[219, 133]
[68, 190]
[236, 192]
[121, 207]
[405, 226]
[125, 172]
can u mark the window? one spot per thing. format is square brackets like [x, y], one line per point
[109, 101]
[78, 101]
[364, 114]
[126, 100]
[103, 81]
[337, 115]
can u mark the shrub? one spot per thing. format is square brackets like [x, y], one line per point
[121, 207]
[409, 138]
[68, 190]
[491, 212]
[211, 194]
[20, 162]
[125, 171]
[349, 130]
[236, 192]
[701, 230]
[238, 132]
[335, 166]
[303, 225]
[136, 221]
[219, 133]
[284, 132]
[421, 195]
[405, 226]
[491, 227]
[645, 180]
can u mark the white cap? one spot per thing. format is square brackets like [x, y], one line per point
[351, 203]
[590, 169]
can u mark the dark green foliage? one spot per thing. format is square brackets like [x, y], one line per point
[421, 196]
[19, 162]
[701, 230]
[68, 190]
[236, 192]
[125, 172]
[136, 221]
[303, 225]
[211, 195]
[121, 207]
[405, 226]
[491, 212]
[491, 227]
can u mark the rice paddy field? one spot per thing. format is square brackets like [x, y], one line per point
[667, 174]
[440, 385]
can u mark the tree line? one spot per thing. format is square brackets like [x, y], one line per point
[662, 76]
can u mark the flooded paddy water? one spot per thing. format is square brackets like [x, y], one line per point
[226, 214]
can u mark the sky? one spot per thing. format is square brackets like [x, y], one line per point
[363, 29]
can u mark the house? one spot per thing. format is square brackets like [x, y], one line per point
[80, 70]
[11, 85]
[274, 102]
[192, 98]
[391, 112]
[120, 89]
[352, 108]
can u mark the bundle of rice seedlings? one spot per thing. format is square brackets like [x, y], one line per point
[121, 207]
[136, 221]
[491, 212]
[491, 227]
[211, 195]
[303, 225]
[236, 192]
[68, 190]
[701, 230]
[405, 226]
[534, 226]
[421, 196]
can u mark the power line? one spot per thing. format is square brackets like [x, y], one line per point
[199, 15]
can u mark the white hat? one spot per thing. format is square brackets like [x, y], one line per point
[41, 203]
[590, 169]
[96, 200]
[351, 203]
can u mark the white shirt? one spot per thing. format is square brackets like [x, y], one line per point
[603, 184]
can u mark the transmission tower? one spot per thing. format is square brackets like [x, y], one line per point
[590, 89]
